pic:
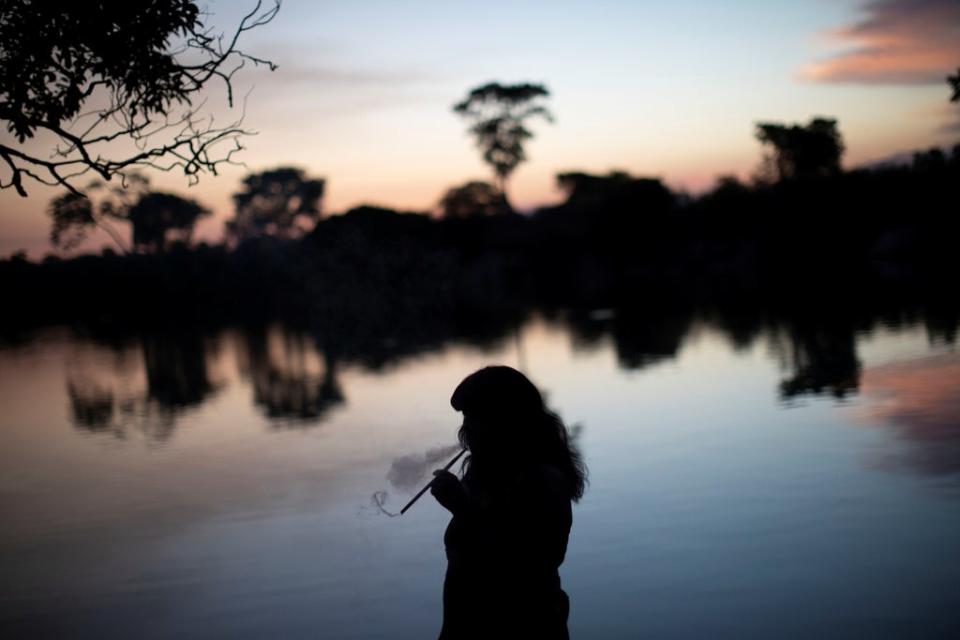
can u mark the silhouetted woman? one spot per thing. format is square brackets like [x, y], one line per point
[511, 512]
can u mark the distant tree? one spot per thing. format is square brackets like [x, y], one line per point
[729, 184]
[800, 152]
[930, 160]
[473, 199]
[371, 210]
[615, 190]
[498, 114]
[281, 202]
[75, 215]
[112, 85]
[161, 219]
[955, 85]
[73, 218]
[156, 219]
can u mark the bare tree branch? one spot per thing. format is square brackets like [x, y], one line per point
[151, 109]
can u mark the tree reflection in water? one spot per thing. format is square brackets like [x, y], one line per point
[821, 358]
[292, 382]
[117, 396]
[294, 374]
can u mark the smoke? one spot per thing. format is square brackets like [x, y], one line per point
[377, 501]
[410, 472]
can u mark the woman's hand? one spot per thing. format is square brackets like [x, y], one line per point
[448, 491]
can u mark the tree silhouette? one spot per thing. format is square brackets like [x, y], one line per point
[498, 114]
[112, 85]
[156, 219]
[75, 214]
[615, 190]
[161, 219]
[73, 218]
[473, 199]
[801, 152]
[955, 85]
[281, 202]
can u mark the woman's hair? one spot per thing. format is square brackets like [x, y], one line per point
[506, 423]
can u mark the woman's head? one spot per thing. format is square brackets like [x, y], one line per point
[506, 425]
[496, 402]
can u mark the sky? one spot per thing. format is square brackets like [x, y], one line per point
[363, 91]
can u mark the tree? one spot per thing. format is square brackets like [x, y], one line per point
[156, 219]
[75, 214]
[498, 114]
[473, 199]
[281, 202]
[955, 85]
[616, 191]
[161, 219]
[112, 85]
[802, 152]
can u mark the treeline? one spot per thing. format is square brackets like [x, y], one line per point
[614, 239]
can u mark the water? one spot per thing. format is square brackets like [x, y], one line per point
[217, 484]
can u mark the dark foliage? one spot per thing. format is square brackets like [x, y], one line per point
[160, 219]
[810, 261]
[473, 199]
[135, 67]
[498, 114]
[802, 152]
[281, 202]
[157, 220]
[617, 239]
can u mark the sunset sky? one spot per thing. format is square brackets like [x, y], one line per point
[363, 92]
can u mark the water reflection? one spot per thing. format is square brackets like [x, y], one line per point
[292, 382]
[686, 493]
[641, 336]
[294, 374]
[818, 353]
[92, 405]
[176, 370]
[919, 399]
[821, 358]
[143, 384]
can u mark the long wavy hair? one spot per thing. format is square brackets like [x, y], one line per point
[507, 427]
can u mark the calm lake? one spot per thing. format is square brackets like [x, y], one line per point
[217, 484]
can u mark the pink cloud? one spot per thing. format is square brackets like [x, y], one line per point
[896, 42]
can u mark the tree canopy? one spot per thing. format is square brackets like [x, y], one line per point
[617, 195]
[801, 152]
[498, 114]
[113, 85]
[584, 189]
[473, 199]
[160, 219]
[157, 220]
[280, 202]
[955, 85]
